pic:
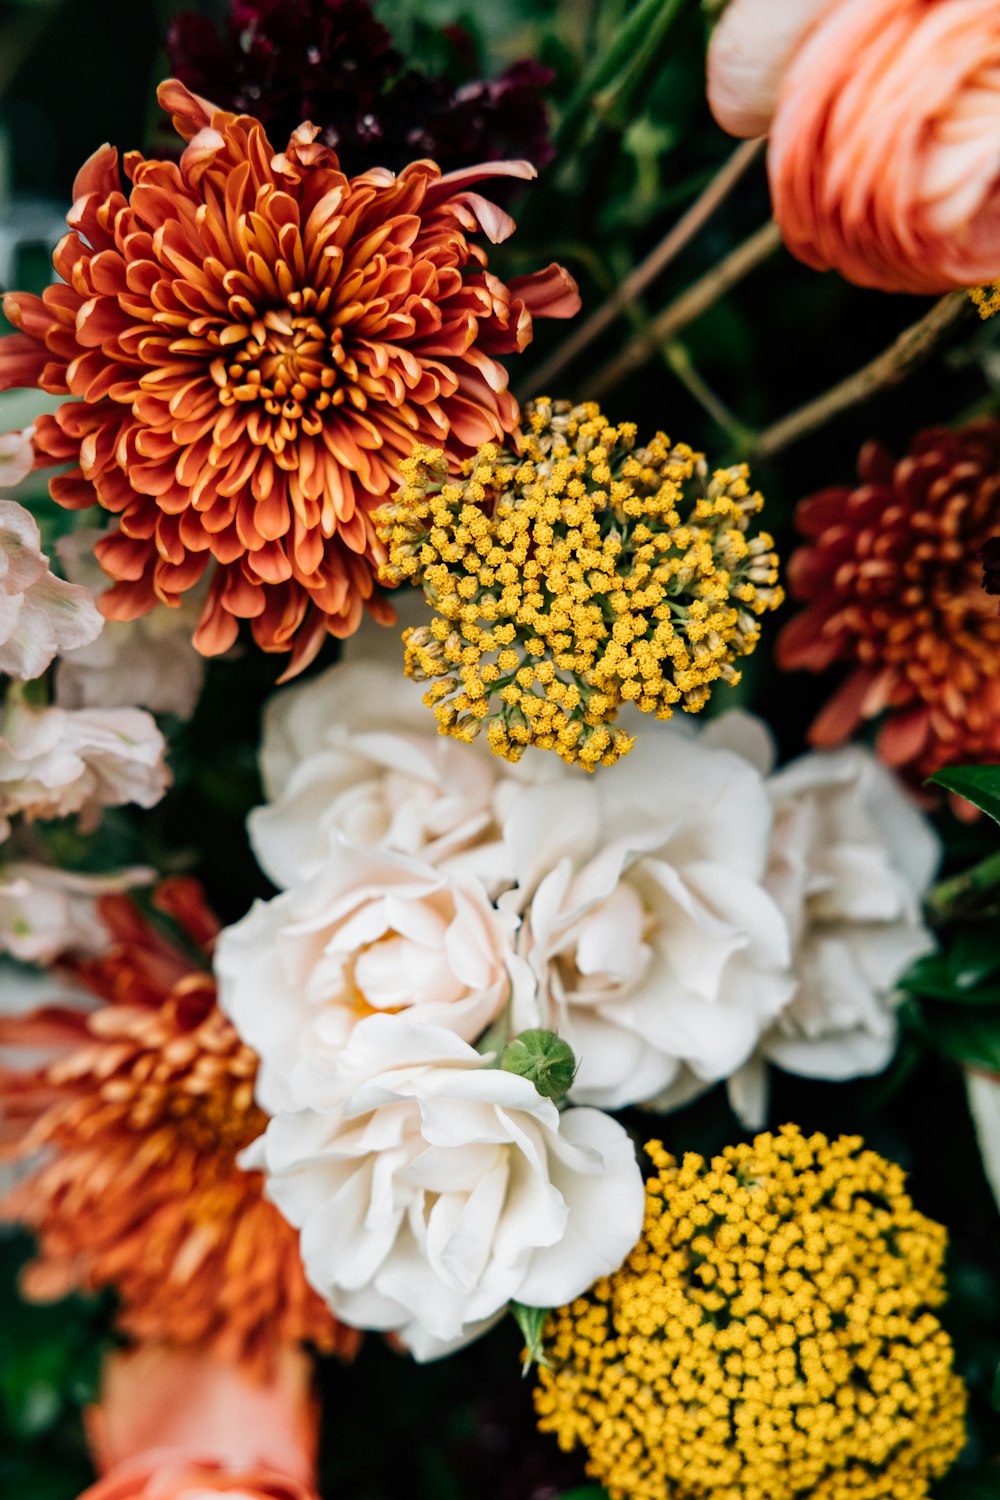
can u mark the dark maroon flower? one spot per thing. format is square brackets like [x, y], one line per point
[332, 62]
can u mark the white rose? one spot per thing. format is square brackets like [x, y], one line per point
[851, 858]
[40, 614]
[149, 662]
[655, 950]
[369, 931]
[355, 754]
[55, 762]
[432, 1189]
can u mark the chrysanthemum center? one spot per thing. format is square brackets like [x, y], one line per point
[290, 364]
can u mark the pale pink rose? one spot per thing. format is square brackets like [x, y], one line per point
[40, 614]
[164, 1411]
[884, 156]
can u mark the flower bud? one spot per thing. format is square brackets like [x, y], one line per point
[545, 1059]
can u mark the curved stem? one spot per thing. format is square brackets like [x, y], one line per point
[913, 346]
[688, 306]
[952, 895]
[658, 259]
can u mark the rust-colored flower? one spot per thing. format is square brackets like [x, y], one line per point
[892, 584]
[142, 1107]
[254, 341]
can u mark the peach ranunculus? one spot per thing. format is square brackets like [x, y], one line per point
[179, 1425]
[884, 123]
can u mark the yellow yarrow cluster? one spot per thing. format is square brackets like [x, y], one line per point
[768, 1339]
[573, 577]
[986, 298]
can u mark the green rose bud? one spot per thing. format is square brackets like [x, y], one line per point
[545, 1059]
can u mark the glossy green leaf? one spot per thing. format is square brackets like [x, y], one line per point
[979, 785]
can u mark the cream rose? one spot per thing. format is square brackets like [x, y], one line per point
[653, 946]
[850, 860]
[370, 931]
[431, 1189]
[348, 754]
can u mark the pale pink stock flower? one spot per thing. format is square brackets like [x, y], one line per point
[55, 763]
[884, 123]
[40, 614]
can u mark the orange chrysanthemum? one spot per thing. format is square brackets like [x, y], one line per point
[140, 1111]
[254, 341]
[892, 585]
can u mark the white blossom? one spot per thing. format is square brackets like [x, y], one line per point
[654, 947]
[149, 662]
[431, 1189]
[40, 614]
[45, 912]
[369, 931]
[55, 762]
[850, 860]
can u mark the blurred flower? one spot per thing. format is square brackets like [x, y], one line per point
[832, 81]
[370, 931]
[571, 578]
[331, 62]
[149, 662]
[987, 299]
[351, 755]
[46, 912]
[654, 948]
[431, 1189]
[891, 584]
[155, 1478]
[989, 556]
[184, 1406]
[55, 762]
[851, 858]
[40, 614]
[142, 1113]
[17, 457]
[771, 1334]
[253, 342]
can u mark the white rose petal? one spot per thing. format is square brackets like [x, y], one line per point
[651, 943]
[45, 912]
[432, 1189]
[369, 931]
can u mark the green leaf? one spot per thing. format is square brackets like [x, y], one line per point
[968, 1036]
[588, 1492]
[979, 785]
[935, 978]
[973, 955]
[531, 1321]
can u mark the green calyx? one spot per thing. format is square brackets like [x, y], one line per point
[545, 1059]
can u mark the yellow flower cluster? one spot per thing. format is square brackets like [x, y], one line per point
[578, 575]
[986, 298]
[768, 1339]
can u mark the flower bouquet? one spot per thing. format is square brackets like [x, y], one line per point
[484, 1008]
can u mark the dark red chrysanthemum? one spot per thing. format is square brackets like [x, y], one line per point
[892, 584]
[253, 342]
[332, 62]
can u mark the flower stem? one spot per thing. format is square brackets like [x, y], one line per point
[912, 347]
[698, 297]
[679, 361]
[960, 891]
[649, 18]
[635, 283]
